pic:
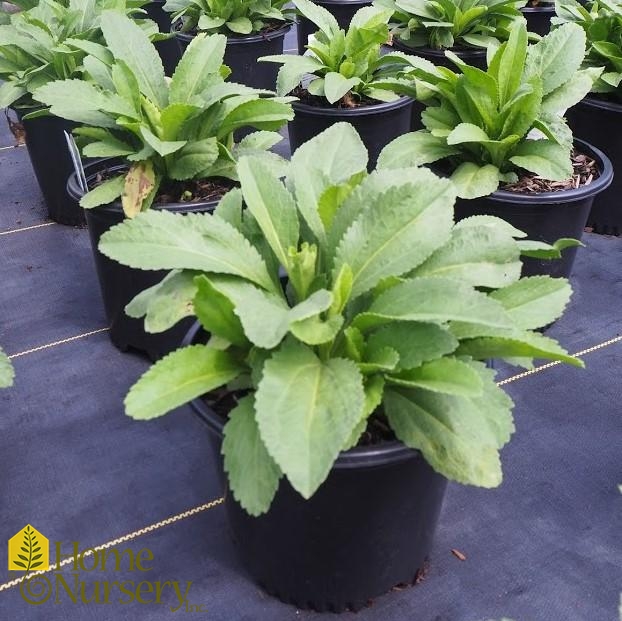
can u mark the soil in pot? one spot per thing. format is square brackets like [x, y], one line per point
[561, 210]
[342, 10]
[169, 49]
[377, 123]
[595, 119]
[538, 14]
[242, 52]
[119, 284]
[368, 528]
[51, 162]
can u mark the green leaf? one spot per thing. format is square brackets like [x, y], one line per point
[534, 302]
[427, 299]
[472, 180]
[398, 230]
[545, 158]
[104, 194]
[557, 56]
[240, 25]
[511, 61]
[306, 410]
[166, 303]
[272, 206]
[216, 312]
[415, 343]
[197, 68]
[7, 373]
[414, 149]
[293, 70]
[336, 86]
[467, 132]
[178, 378]
[542, 250]
[456, 435]
[157, 240]
[446, 375]
[252, 474]
[482, 255]
[321, 17]
[265, 114]
[194, 157]
[128, 42]
[571, 92]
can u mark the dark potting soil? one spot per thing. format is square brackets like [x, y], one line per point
[585, 170]
[349, 100]
[190, 191]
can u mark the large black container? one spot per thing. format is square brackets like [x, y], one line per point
[545, 217]
[368, 527]
[51, 162]
[343, 10]
[539, 17]
[472, 56]
[169, 49]
[377, 124]
[241, 56]
[119, 284]
[599, 122]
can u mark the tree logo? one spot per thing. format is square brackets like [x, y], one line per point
[29, 550]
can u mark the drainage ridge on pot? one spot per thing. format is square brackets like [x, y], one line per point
[377, 124]
[594, 119]
[119, 284]
[51, 162]
[241, 54]
[368, 528]
[547, 216]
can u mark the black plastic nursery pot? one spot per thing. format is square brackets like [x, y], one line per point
[545, 217]
[168, 49]
[342, 10]
[377, 124]
[242, 52]
[51, 162]
[119, 284]
[539, 17]
[368, 528]
[599, 121]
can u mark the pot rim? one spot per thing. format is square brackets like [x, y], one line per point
[603, 104]
[565, 196]
[90, 170]
[241, 40]
[358, 457]
[545, 8]
[461, 52]
[380, 107]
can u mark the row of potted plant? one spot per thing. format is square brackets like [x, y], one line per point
[346, 320]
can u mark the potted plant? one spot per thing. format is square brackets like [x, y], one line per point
[539, 14]
[341, 359]
[466, 27]
[342, 10]
[168, 48]
[173, 144]
[253, 28]
[50, 42]
[501, 136]
[6, 371]
[344, 77]
[594, 117]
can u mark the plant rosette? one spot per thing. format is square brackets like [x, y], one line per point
[172, 133]
[466, 27]
[389, 312]
[344, 77]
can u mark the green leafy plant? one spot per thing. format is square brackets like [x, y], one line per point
[166, 130]
[389, 312]
[602, 23]
[7, 373]
[343, 64]
[51, 42]
[483, 123]
[444, 24]
[230, 17]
